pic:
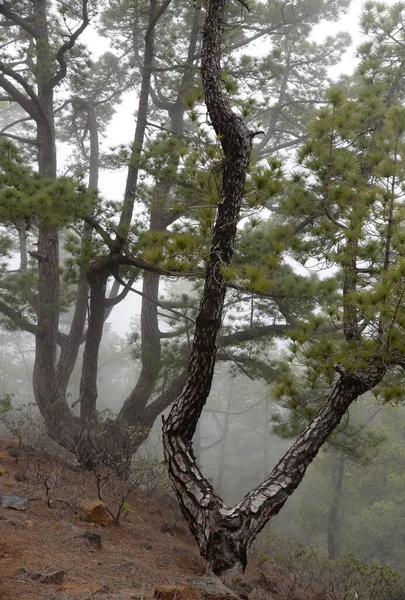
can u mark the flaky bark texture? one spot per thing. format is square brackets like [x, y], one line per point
[224, 534]
[198, 500]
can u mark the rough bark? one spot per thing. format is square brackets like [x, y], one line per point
[53, 407]
[197, 497]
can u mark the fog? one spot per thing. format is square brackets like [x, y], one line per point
[315, 285]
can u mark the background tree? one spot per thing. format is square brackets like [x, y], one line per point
[170, 92]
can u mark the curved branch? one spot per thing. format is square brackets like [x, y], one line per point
[68, 45]
[19, 138]
[19, 320]
[25, 103]
[16, 20]
[14, 123]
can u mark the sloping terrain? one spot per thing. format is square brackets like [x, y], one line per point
[48, 551]
[151, 547]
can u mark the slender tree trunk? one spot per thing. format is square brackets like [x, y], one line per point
[334, 520]
[161, 216]
[70, 345]
[88, 383]
[222, 450]
[137, 146]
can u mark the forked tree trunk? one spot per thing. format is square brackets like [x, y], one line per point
[222, 533]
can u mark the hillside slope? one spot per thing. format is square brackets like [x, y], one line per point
[49, 552]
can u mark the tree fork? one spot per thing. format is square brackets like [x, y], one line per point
[224, 534]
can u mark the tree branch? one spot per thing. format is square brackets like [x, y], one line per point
[68, 45]
[19, 320]
[16, 20]
[23, 83]
[14, 123]
[25, 103]
[18, 138]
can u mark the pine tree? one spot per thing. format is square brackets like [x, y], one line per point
[345, 210]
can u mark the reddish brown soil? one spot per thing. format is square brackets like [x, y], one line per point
[151, 547]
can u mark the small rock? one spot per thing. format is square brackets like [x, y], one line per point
[179, 591]
[212, 588]
[13, 501]
[97, 512]
[20, 476]
[68, 525]
[29, 523]
[94, 539]
[24, 575]
[54, 577]
[148, 546]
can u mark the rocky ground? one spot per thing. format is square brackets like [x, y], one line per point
[58, 541]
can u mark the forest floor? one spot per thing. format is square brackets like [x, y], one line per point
[151, 547]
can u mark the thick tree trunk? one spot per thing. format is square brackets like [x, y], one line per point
[224, 534]
[199, 503]
[53, 407]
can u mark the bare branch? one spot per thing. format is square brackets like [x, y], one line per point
[25, 103]
[16, 20]
[18, 138]
[19, 320]
[68, 45]
[14, 123]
